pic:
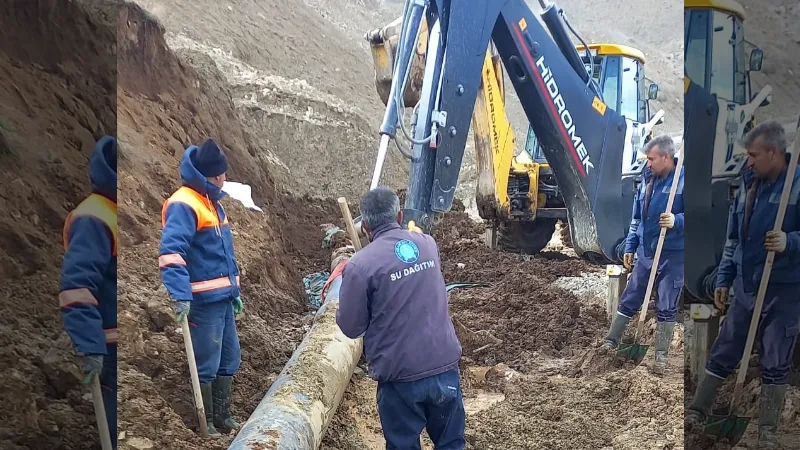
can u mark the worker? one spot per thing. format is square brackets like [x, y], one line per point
[750, 236]
[649, 216]
[393, 294]
[199, 270]
[88, 296]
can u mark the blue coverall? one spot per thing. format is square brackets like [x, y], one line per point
[742, 265]
[643, 240]
[198, 265]
[88, 295]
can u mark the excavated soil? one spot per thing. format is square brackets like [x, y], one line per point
[522, 338]
[56, 98]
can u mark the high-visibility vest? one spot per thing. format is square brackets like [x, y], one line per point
[105, 210]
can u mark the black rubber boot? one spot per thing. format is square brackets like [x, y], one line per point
[664, 331]
[772, 396]
[208, 405]
[223, 386]
[698, 411]
[615, 332]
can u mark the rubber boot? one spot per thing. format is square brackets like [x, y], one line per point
[223, 386]
[771, 405]
[615, 333]
[664, 332]
[208, 405]
[698, 411]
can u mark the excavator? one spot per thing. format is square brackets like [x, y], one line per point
[718, 95]
[583, 166]
[517, 195]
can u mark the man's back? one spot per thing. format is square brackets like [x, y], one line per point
[394, 289]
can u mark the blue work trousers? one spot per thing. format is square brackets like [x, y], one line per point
[215, 339]
[108, 385]
[778, 328]
[669, 280]
[433, 403]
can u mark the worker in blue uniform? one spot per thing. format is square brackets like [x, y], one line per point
[649, 216]
[88, 294]
[750, 238]
[199, 269]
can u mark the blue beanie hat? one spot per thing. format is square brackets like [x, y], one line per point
[209, 160]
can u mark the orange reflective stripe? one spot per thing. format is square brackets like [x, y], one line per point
[172, 258]
[111, 336]
[203, 208]
[210, 285]
[99, 207]
[80, 296]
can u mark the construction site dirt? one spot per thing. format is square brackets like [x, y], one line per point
[522, 336]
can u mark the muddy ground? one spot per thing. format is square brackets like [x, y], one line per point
[56, 98]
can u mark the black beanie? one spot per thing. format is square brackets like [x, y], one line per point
[209, 160]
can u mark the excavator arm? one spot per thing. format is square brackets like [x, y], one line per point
[580, 137]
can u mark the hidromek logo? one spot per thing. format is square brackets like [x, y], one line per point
[563, 112]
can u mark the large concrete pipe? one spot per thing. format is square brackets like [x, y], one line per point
[296, 410]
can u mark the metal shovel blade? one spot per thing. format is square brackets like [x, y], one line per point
[633, 352]
[728, 428]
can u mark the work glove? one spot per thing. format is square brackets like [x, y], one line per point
[666, 220]
[238, 306]
[181, 310]
[775, 241]
[627, 261]
[91, 367]
[721, 299]
[413, 227]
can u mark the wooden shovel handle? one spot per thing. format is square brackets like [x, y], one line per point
[198, 396]
[348, 222]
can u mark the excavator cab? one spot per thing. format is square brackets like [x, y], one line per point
[717, 66]
[619, 70]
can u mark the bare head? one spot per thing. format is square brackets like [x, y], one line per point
[766, 149]
[660, 155]
[379, 207]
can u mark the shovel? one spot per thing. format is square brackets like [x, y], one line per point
[732, 427]
[636, 351]
[100, 414]
[198, 396]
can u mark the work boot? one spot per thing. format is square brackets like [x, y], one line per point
[771, 405]
[664, 332]
[222, 403]
[615, 333]
[698, 411]
[208, 405]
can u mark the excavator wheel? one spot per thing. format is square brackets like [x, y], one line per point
[525, 237]
[566, 237]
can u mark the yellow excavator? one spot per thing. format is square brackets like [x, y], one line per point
[517, 194]
[718, 96]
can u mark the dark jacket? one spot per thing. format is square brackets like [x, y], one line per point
[393, 293]
[196, 259]
[745, 255]
[88, 295]
[644, 229]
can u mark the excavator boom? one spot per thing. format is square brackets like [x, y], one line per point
[580, 136]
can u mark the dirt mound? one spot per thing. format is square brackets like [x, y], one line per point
[56, 99]
[620, 410]
[522, 314]
[161, 114]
